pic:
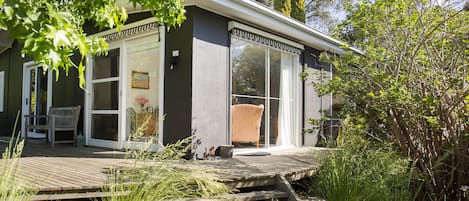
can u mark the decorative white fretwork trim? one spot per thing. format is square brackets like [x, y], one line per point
[264, 41]
[145, 28]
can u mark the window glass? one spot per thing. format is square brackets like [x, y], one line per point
[104, 126]
[106, 66]
[142, 87]
[106, 96]
[275, 64]
[248, 68]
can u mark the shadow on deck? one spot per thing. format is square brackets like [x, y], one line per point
[68, 169]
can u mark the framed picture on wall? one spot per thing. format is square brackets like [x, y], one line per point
[140, 80]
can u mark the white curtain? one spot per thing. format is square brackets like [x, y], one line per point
[287, 85]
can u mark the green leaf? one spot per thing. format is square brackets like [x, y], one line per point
[34, 16]
[9, 11]
[61, 39]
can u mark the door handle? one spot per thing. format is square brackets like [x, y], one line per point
[27, 101]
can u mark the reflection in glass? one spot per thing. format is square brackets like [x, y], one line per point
[41, 96]
[275, 67]
[248, 68]
[106, 96]
[104, 126]
[274, 122]
[106, 66]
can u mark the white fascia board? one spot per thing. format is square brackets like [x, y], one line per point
[261, 16]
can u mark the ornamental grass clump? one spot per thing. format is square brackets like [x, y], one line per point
[155, 175]
[359, 171]
[12, 188]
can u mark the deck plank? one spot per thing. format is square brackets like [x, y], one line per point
[71, 169]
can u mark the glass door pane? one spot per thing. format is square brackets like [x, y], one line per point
[248, 68]
[244, 133]
[41, 95]
[105, 102]
[32, 94]
[37, 97]
[248, 87]
[143, 96]
[275, 68]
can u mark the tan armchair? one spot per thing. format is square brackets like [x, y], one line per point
[246, 123]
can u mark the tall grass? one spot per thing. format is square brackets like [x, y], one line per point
[152, 177]
[359, 171]
[12, 188]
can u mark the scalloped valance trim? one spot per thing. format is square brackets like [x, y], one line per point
[145, 28]
[264, 41]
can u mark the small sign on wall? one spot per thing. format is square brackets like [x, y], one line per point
[140, 80]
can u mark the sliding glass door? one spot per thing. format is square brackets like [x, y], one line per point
[265, 76]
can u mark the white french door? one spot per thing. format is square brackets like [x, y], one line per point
[104, 102]
[37, 96]
[124, 88]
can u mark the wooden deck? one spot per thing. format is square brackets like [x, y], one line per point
[71, 169]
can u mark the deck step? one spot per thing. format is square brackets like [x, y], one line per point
[249, 196]
[257, 195]
[74, 196]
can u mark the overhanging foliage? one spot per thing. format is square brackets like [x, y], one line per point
[51, 31]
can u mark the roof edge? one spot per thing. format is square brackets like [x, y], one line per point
[260, 15]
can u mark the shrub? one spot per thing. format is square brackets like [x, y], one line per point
[410, 86]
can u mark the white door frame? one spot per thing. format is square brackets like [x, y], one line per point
[122, 44]
[27, 66]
